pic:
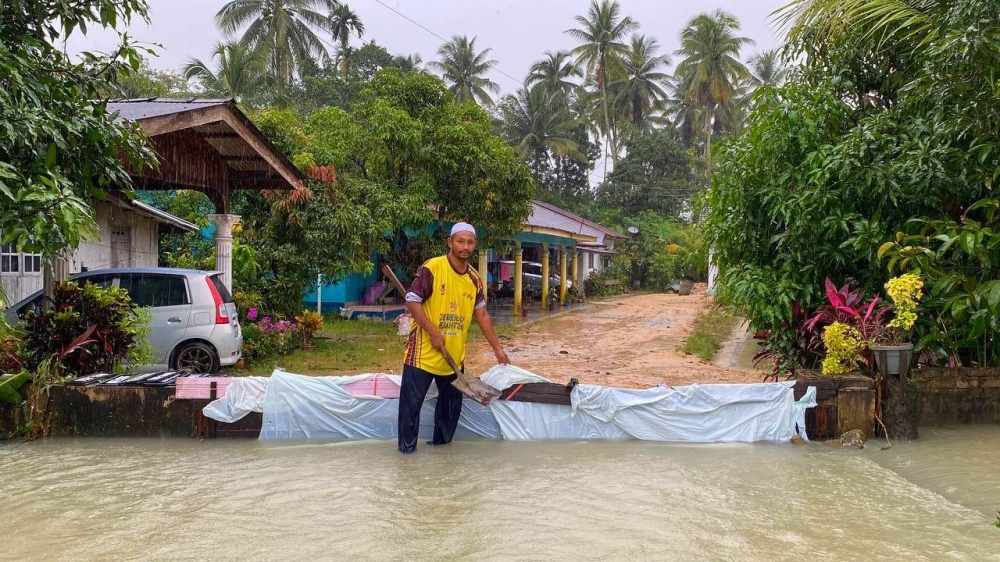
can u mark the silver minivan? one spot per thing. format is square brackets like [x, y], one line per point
[195, 323]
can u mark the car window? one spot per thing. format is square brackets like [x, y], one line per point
[152, 289]
[221, 287]
[102, 281]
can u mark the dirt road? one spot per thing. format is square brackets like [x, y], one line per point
[629, 342]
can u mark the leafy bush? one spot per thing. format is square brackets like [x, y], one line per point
[267, 338]
[107, 317]
[309, 323]
[11, 342]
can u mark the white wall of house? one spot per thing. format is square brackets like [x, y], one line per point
[125, 239]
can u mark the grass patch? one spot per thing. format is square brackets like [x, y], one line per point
[345, 347]
[711, 328]
[341, 347]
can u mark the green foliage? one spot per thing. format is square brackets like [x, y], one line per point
[463, 67]
[142, 352]
[656, 174]
[664, 250]
[881, 126]
[957, 261]
[60, 146]
[185, 250]
[240, 73]
[11, 341]
[89, 329]
[146, 82]
[400, 150]
[10, 383]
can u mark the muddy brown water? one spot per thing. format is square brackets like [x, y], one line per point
[117, 499]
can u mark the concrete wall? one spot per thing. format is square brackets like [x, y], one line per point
[957, 396]
[141, 234]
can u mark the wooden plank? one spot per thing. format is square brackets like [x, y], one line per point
[265, 149]
[219, 135]
[539, 393]
[856, 410]
[164, 124]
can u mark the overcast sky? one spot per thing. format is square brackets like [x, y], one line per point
[518, 31]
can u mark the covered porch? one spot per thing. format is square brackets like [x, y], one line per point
[206, 145]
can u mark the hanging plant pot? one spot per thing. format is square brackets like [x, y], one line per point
[893, 359]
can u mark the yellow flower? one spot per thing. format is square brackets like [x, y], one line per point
[843, 345]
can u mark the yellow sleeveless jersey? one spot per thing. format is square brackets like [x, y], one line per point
[449, 299]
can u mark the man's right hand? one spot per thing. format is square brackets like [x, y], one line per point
[437, 341]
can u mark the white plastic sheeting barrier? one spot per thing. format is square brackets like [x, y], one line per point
[243, 395]
[296, 406]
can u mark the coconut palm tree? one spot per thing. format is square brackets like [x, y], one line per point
[915, 20]
[641, 87]
[537, 123]
[240, 73]
[463, 68]
[711, 71]
[767, 69]
[555, 72]
[343, 23]
[282, 29]
[601, 34]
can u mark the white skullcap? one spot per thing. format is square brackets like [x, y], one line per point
[462, 227]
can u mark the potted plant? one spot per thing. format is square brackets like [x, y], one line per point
[893, 354]
[308, 323]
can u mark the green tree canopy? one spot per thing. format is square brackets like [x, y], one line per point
[886, 142]
[404, 155]
[656, 174]
[60, 146]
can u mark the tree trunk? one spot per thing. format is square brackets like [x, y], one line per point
[607, 119]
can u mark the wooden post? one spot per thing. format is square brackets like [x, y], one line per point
[562, 275]
[483, 270]
[545, 276]
[518, 283]
[54, 271]
[575, 270]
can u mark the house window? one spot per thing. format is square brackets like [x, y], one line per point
[32, 263]
[9, 259]
[590, 260]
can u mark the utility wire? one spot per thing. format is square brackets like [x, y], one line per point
[421, 26]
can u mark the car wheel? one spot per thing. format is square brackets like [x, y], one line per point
[197, 358]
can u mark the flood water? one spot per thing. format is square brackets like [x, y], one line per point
[116, 499]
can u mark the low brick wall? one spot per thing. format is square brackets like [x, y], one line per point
[957, 396]
[94, 411]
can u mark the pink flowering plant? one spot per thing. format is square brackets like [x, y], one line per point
[264, 336]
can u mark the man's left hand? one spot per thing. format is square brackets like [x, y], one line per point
[502, 358]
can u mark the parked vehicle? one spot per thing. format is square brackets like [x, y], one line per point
[531, 272]
[195, 323]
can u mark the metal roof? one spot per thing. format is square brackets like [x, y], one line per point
[142, 208]
[166, 217]
[549, 216]
[144, 108]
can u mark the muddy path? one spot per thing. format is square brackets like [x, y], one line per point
[629, 341]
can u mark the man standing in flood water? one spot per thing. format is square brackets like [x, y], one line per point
[444, 298]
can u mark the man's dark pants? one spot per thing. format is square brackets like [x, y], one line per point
[412, 392]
